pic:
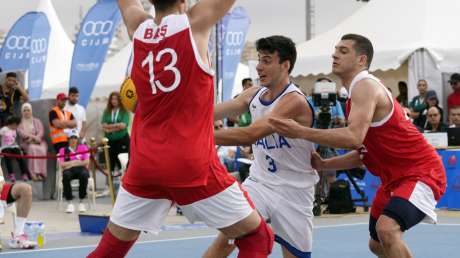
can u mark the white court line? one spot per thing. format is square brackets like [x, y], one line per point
[192, 238]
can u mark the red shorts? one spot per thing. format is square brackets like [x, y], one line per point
[5, 192]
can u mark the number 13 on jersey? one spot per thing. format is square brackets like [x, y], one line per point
[150, 60]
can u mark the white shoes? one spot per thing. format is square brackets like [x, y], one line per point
[21, 242]
[70, 208]
[81, 207]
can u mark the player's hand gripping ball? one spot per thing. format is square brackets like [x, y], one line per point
[128, 95]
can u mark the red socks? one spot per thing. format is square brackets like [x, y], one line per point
[111, 247]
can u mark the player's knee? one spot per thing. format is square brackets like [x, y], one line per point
[23, 191]
[257, 244]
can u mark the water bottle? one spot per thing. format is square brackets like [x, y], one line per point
[40, 234]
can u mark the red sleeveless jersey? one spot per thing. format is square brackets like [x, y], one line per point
[395, 150]
[172, 141]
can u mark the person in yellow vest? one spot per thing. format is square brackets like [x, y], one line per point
[60, 120]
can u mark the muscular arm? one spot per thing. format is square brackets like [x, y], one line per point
[364, 101]
[292, 105]
[133, 14]
[235, 107]
[346, 161]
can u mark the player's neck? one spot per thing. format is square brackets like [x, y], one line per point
[348, 78]
[277, 89]
[161, 14]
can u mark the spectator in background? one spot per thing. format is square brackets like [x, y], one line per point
[402, 97]
[454, 116]
[77, 110]
[245, 118]
[10, 145]
[431, 100]
[115, 122]
[32, 142]
[60, 120]
[13, 94]
[454, 97]
[74, 167]
[418, 104]
[434, 123]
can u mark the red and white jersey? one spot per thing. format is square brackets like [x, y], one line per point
[172, 141]
[396, 150]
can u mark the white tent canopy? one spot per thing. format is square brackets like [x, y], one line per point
[397, 30]
[60, 50]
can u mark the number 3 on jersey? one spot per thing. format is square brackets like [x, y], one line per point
[149, 60]
[271, 164]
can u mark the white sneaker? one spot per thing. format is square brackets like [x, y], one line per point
[21, 242]
[81, 207]
[70, 208]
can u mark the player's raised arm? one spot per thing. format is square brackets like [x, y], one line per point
[133, 14]
[206, 13]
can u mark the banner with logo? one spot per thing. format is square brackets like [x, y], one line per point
[38, 56]
[236, 25]
[26, 47]
[93, 41]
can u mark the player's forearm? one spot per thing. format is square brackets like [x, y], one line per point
[346, 161]
[336, 138]
[233, 137]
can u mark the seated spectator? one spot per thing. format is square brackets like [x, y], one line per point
[21, 194]
[434, 123]
[454, 116]
[454, 98]
[13, 93]
[431, 100]
[32, 142]
[418, 104]
[402, 97]
[115, 122]
[74, 167]
[10, 145]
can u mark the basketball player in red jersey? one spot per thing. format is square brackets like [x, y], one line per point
[412, 174]
[173, 158]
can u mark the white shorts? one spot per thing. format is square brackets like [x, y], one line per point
[289, 211]
[218, 211]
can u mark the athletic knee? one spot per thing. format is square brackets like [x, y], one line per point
[22, 191]
[257, 244]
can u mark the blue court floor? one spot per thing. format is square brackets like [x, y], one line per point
[344, 241]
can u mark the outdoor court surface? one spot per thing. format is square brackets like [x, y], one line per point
[330, 241]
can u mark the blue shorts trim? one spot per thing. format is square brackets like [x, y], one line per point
[292, 249]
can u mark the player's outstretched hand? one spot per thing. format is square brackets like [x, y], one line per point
[316, 161]
[286, 127]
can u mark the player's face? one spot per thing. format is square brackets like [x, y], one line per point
[269, 69]
[345, 60]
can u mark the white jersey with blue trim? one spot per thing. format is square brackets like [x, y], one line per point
[278, 160]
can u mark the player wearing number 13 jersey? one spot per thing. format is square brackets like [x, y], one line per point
[173, 156]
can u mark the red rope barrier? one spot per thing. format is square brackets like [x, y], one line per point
[49, 156]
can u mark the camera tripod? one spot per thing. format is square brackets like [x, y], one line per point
[322, 186]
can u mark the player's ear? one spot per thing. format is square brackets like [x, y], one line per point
[182, 6]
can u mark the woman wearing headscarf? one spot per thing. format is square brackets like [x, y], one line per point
[31, 132]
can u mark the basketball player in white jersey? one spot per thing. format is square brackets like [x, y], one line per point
[281, 180]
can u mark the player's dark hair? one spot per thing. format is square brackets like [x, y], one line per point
[245, 80]
[284, 46]
[362, 46]
[163, 5]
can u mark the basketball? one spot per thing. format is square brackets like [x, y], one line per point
[128, 95]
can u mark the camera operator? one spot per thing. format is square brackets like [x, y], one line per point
[328, 114]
